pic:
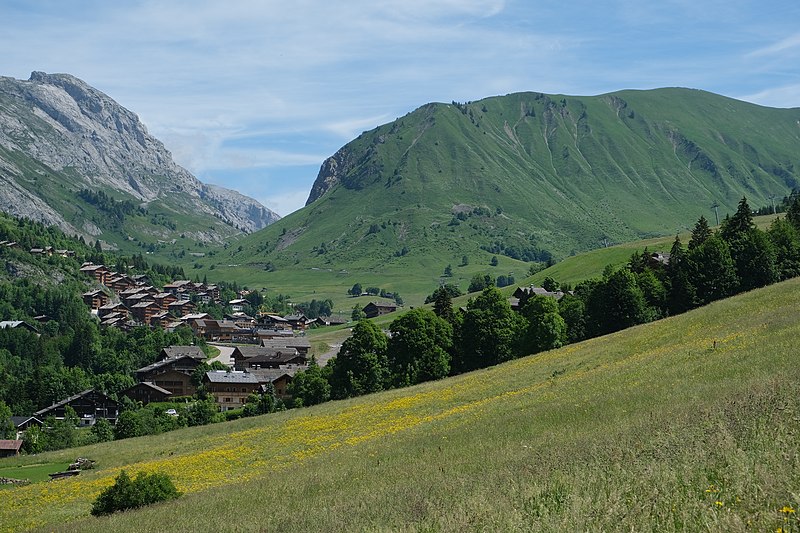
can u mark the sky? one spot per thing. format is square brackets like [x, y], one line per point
[255, 94]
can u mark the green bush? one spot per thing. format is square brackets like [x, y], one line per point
[127, 493]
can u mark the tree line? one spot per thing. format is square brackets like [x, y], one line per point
[424, 345]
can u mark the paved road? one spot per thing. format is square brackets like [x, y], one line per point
[224, 356]
[322, 359]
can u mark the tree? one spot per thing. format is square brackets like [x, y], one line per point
[464, 260]
[681, 295]
[7, 429]
[102, 430]
[360, 367]
[494, 261]
[448, 271]
[550, 285]
[754, 258]
[311, 386]
[616, 302]
[356, 290]
[712, 271]
[202, 412]
[786, 242]
[546, 329]
[443, 302]
[480, 282]
[129, 425]
[700, 233]
[126, 493]
[573, 311]
[418, 348]
[490, 332]
[358, 313]
[739, 224]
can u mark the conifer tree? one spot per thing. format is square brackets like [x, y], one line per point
[700, 233]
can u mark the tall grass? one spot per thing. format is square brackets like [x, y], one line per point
[685, 424]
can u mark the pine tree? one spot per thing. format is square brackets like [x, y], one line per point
[700, 233]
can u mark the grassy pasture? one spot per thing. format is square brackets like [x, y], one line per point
[690, 423]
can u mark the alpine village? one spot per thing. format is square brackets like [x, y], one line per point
[529, 312]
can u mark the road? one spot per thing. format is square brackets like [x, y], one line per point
[224, 356]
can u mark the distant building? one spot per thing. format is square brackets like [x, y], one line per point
[147, 392]
[90, 405]
[373, 309]
[230, 389]
[10, 448]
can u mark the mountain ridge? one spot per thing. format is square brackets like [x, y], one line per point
[56, 123]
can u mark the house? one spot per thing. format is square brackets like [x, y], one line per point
[10, 448]
[225, 331]
[147, 392]
[237, 305]
[523, 293]
[173, 352]
[269, 321]
[163, 299]
[265, 334]
[298, 322]
[98, 272]
[23, 423]
[373, 309]
[144, 311]
[242, 320]
[95, 299]
[180, 307]
[17, 324]
[333, 320]
[132, 299]
[301, 344]
[280, 379]
[177, 286]
[230, 389]
[162, 319]
[90, 405]
[173, 374]
[247, 357]
[109, 308]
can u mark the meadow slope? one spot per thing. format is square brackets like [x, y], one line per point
[690, 423]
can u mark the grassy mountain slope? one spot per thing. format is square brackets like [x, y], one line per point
[527, 176]
[689, 423]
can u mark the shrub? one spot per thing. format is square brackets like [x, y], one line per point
[126, 493]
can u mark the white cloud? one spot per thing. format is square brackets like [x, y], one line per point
[785, 96]
[790, 43]
[286, 202]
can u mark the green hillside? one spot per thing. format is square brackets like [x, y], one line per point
[524, 177]
[689, 423]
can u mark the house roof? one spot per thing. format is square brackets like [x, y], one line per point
[165, 362]
[293, 342]
[21, 420]
[16, 324]
[14, 445]
[149, 385]
[71, 399]
[271, 375]
[174, 352]
[232, 376]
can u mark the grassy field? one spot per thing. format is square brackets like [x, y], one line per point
[35, 473]
[690, 423]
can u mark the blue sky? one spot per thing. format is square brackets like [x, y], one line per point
[254, 95]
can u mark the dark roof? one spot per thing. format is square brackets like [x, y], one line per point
[20, 420]
[149, 385]
[279, 357]
[225, 376]
[173, 352]
[271, 375]
[293, 342]
[165, 362]
[71, 399]
[16, 324]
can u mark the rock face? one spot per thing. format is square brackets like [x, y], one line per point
[57, 130]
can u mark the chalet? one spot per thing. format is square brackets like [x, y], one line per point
[266, 334]
[246, 357]
[147, 392]
[121, 283]
[659, 259]
[269, 321]
[373, 309]
[297, 322]
[162, 319]
[10, 448]
[213, 292]
[23, 423]
[173, 374]
[332, 320]
[90, 405]
[301, 344]
[523, 293]
[144, 311]
[180, 307]
[164, 299]
[95, 299]
[237, 305]
[225, 331]
[242, 320]
[176, 287]
[280, 379]
[173, 352]
[230, 389]
[114, 320]
[17, 324]
[109, 308]
[133, 299]
[98, 272]
[65, 253]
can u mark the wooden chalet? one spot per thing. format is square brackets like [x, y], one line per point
[267, 334]
[109, 308]
[173, 352]
[301, 344]
[10, 448]
[17, 324]
[230, 389]
[523, 293]
[144, 311]
[98, 272]
[280, 379]
[147, 392]
[269, 321]
[95, 299]
[176, 287]
[297, 322]
[164, 299]
[90, 405]
[238, 305]
[247, 357]
[376, 309]
[173, 374]
[180, 307]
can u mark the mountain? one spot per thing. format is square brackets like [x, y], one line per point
[531, 177]
[73, 157]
